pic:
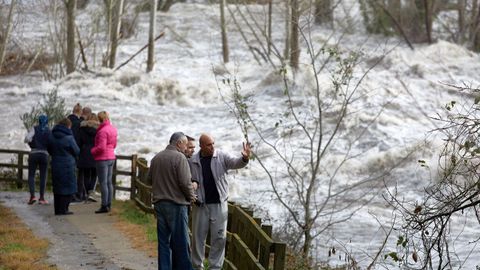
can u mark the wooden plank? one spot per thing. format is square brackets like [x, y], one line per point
[124, 157]
[122, 188]
[11, 151]
[10, 165]
[279, 258]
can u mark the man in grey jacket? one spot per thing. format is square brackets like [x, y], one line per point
[208, 168]
[170, 177]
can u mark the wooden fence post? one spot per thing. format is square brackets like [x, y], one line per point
[114, 179]
[20, 171]
[133, 177]
[279, 259]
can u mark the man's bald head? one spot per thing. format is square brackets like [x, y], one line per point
[206, 145]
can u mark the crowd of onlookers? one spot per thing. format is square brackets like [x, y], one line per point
[81, 147]
[180, 179]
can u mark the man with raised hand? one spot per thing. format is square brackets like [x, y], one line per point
[208, 167]
[170, 177]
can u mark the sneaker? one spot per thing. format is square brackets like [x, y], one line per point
[32, 200]
[91, 199]
[43, 201]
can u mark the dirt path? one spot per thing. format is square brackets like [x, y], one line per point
[84, 240]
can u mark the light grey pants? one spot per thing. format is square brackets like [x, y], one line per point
[213, 217]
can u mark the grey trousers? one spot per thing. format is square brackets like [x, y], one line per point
[213, 217]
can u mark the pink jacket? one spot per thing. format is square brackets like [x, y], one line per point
[105, 142]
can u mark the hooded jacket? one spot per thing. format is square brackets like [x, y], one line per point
[105, 142]
[37, 137]
[63, 149]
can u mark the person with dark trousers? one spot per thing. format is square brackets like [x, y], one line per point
[87, 173]
[37, 139]
[104, 154]
[64, 150]
[170, 178]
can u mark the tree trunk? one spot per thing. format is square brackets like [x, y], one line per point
[476, 40]
[114, 37]
[151, 36]
[223, 27]
[295, 50]
[323, 12]
[269, 27]
[108, 11]
[6, 34]
[286, 52]
[428, 20]
[461, 20]
[70, 59]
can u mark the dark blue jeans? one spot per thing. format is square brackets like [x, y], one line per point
[172, 235]
[40, 160]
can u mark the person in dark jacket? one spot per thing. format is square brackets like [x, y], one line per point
[37, 139]
[75, 119]
[63, 149]
[87, 174]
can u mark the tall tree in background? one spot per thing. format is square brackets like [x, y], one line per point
[71, 6]
[295, 33]
[427, 11]
[288, 17]
[151, 36]
[5, 29]
[117, 8]
[323, 12]
[223, 27]
[476, 28]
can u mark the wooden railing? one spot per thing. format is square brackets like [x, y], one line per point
[249, 243]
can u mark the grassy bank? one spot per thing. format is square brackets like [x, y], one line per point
[139, 227]
[19, 247]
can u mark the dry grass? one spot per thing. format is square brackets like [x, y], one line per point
[140, 228]
[19, 247]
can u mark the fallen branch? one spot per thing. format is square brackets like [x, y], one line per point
[138, 52]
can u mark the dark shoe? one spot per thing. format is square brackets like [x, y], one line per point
[102, 209]
[32, 200]
[75, 199]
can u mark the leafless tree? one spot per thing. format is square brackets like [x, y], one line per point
[114, 37]
[5, 30]
[151, 36]
[223, 29]
[70, 6]
[426, 232]
[309, 143]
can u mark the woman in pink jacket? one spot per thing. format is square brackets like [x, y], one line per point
[104, 155]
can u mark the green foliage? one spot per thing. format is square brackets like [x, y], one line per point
[131, 214]
[449, 106]
[52, 105]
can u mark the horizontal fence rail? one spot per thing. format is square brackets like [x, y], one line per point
[249, 243]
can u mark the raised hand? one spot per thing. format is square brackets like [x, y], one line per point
[247, 149]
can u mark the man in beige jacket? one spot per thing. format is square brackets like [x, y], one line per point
[170, 177]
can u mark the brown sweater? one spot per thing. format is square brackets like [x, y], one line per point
[170, 177]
